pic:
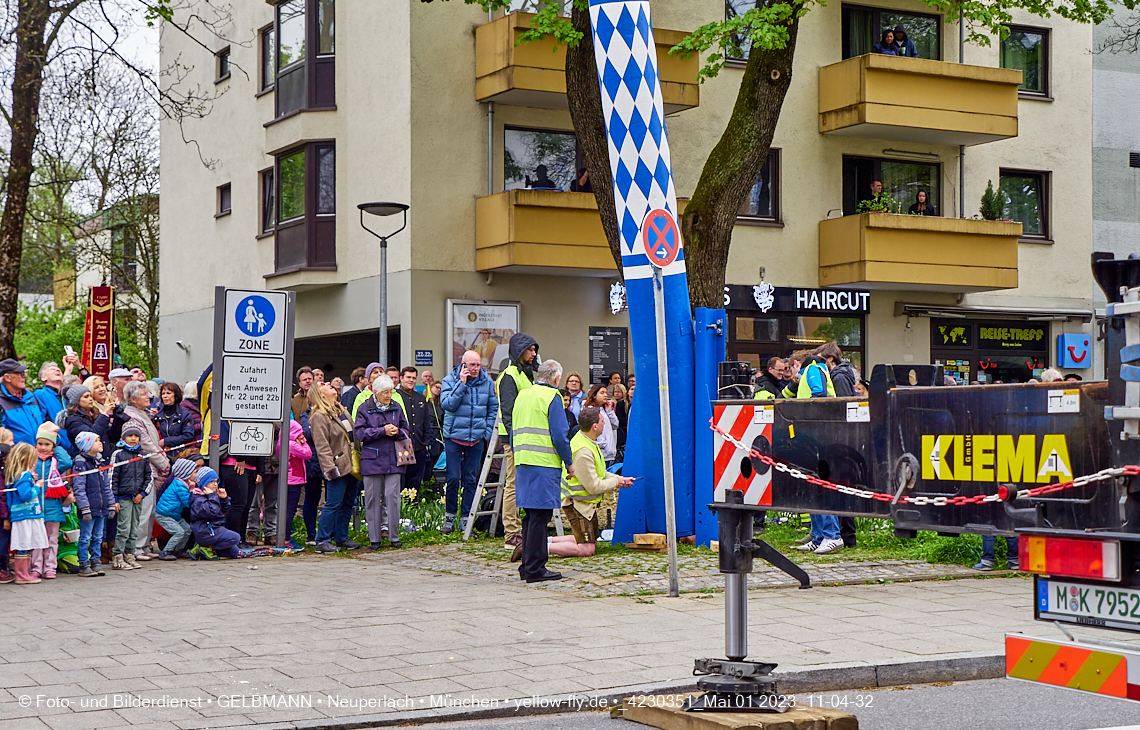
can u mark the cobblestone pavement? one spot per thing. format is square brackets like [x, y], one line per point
[232, 642]
[640, 573]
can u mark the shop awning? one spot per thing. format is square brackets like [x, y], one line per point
[906, 309]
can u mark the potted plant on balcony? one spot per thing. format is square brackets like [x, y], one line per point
[992, 204]
[881, 203]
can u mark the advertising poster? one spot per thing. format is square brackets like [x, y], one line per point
[485, 327]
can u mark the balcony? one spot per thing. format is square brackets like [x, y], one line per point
[531, 75]
[918, 253]
[917, 100]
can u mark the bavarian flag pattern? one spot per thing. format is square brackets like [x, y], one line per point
[635, 123]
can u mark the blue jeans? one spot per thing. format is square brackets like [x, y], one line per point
[824, 527]
[463, 464]
[989, 543]
[312, 504]
[177, 528]
[340, 497]
[90, 534]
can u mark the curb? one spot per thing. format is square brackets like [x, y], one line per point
[959, 668]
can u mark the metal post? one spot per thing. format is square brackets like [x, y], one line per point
[736, 616]
[961, 148]
[285, 521]
[666, 430]
[216, 379]
[384, 303]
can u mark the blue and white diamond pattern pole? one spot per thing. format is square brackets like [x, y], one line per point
[653, 261]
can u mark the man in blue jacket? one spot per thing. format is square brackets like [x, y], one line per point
[22, 413]
[470, 409]
[50, 396]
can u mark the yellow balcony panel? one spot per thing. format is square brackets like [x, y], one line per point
[918, 253]
[918, 100]
[541, 232]
[534, 74]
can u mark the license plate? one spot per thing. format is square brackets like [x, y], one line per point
[1088, 604]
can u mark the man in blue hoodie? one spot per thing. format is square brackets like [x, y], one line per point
[22, 413]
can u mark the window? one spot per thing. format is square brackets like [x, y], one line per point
[864, 27]
[305, 64]
[763, 203]
[1025, 196]
[539, 159]
[268, 64]
[222, 71]
[533, 6]
[225, 200]
[268, 201]
[902, 180]
[124, 266]
[304, 223]
[739, 45]
[1027, 50]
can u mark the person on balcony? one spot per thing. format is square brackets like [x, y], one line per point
[887, 45]
[904, 45]
[922, 205]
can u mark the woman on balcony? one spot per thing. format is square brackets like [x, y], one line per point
[922, 205]
[887, 45]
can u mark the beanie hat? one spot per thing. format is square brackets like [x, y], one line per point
[85, 440]
[73, 393]
[47, 433]
[206, 475]
[132, 428]
[368, 371]
[183, 469]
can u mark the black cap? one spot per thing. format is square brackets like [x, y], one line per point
[9, 365]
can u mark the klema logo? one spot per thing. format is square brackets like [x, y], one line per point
[1000, 458]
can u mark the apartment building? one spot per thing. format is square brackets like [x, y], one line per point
[432, 105]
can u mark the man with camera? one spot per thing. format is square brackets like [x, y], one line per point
[470, 408]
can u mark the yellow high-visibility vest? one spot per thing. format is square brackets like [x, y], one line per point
[522, 382]
[571, 487]
[530, 429]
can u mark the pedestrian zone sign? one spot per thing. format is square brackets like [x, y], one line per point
[255, 322]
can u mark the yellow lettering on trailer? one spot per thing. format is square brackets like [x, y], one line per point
[962, 470]
[1054, 459]
[983, 457]
[1015, 464]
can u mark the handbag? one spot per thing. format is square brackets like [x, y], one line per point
[405, 451]
[355, 473]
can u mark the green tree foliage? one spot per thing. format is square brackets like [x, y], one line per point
[41, 334]
[992, 206]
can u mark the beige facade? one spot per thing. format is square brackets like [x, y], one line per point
[408, 127]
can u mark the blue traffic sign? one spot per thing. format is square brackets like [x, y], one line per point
[255, 316]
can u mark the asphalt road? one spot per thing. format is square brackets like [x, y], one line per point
[992, 704]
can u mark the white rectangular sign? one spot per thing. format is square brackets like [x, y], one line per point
[858, 412]
[251, 439]
[1065, 401]
[255, 322]
[763, 414]
[253, 389]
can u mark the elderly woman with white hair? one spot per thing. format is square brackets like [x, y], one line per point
[380, 423]
[137, 401]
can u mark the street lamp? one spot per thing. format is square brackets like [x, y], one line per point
[383, 209]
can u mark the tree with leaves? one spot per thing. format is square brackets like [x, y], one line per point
[769, 31]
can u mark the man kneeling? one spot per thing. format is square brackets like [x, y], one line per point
[582, 492]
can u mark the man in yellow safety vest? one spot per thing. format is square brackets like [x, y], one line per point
[515, 378]
[540, 441]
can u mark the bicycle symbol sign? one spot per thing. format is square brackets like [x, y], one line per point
[661, 237]
[255, 316]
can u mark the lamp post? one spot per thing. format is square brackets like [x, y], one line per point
[383, 209]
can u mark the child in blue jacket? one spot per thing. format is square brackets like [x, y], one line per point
[94, 499]
[26, 510]
[56, 497]
[209, 504]
[168, 513]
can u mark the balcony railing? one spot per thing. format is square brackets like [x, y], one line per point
[918, 253]
[531, 75]
[918, 100]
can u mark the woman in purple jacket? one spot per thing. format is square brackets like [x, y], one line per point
[380, 422]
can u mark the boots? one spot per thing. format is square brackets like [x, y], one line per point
[22, 564]
[129, 559]
[96, 565]
[6, 577]
[119, 563]
[85, 571]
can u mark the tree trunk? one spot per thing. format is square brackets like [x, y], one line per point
[27, 82]
[584, 96]
[732, 168]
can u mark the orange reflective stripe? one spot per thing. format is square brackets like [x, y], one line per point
[1061, 665]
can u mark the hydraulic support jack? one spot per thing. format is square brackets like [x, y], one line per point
[734, 684]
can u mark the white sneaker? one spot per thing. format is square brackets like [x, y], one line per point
[806, 547]
[828, 546]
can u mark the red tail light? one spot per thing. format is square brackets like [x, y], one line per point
[1070, 557]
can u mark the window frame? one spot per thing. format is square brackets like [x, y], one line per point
[267, 182]
[1046, 94]
[1046, 235]
[876, 21]
[222, 60]
[318, 70]
[270, 31]
[319, 228]
[551, 130]
[225, 190]
[878, 175]
[776, 219]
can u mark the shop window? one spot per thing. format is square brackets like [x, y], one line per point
[539, 159]
[863, 27]
[305, 67]
[305, 220]
[1025, 197]
[225, 200]
[266, 45]
[222, 65]
[763, 203]
[1003, 351]
[1027, 50]
[757, 329]
[901, 181]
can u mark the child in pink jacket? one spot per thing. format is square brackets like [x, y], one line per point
[299, 453]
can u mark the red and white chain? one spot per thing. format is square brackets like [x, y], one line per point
[1002, 494]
